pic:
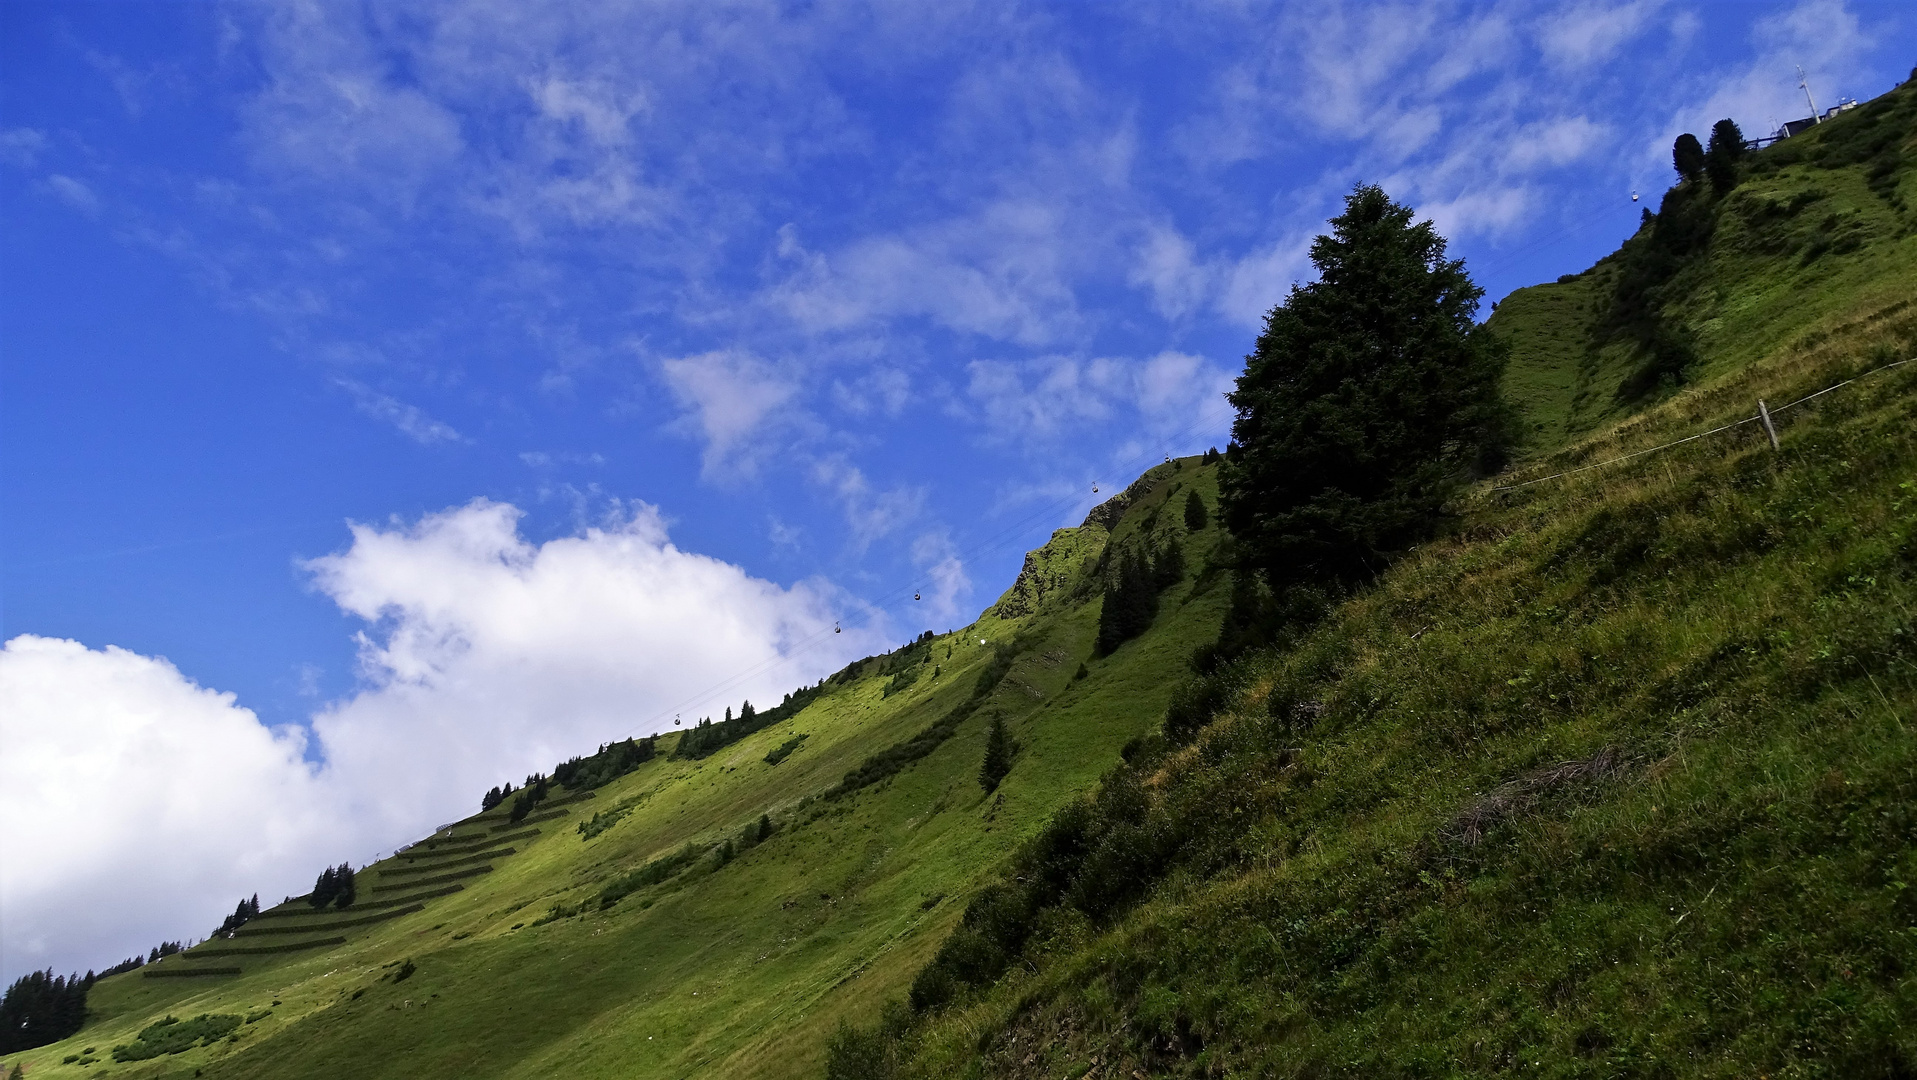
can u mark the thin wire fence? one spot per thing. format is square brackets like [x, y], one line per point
[1757, 418]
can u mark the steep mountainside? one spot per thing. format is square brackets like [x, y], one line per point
[1616, 779]
[1817, 230]
[1620, 779]
[532, 949]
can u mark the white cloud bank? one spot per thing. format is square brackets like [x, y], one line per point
[138, 804]
[141, 805]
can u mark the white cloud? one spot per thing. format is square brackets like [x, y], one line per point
[1167, 264]
[944, 583]
[409, 419]
[882, 390]
[1590, 33]
[870, 513]
[1555, 143]
[1492, 211]
[142, 806]
[735, 400]
[1260, 280]
[1824, 36]
[22, 146]
[1037, 400]
[546, 459]
[139, 806]
[333, 110]
[492, 656]
[73, 193]
[997, 272]
[1046, 399]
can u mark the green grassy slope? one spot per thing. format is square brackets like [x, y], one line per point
[737, 968]
[1818, 229]
[1619, 780]
[1616, 781]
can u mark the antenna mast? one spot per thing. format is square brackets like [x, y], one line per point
[1803, 83]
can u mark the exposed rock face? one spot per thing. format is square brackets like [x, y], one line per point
[1051, 568]
[1107, 513]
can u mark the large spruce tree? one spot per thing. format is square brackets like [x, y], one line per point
[1721, 158]
[1371, 394]
[998, 755]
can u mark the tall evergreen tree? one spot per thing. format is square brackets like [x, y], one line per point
[347, 890]
[1371, 395]
[998, 755]
[1130, 602]
[1687, 157]
[1196, 517]
[325, 888]
[1169, 568]
[1724, 154]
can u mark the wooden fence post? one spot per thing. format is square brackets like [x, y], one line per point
[1764, 412]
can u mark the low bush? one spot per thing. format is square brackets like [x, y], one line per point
[171, 1035]
[784, 750]
[654, 872]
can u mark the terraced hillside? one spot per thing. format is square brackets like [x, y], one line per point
[675, 939]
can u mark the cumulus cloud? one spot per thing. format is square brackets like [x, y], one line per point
[881, 390]
[139, 805]
[1490, 211]
[490, 656]
[1556, 143]
[1260, 280]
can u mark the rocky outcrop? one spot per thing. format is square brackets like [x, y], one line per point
[1050, 569]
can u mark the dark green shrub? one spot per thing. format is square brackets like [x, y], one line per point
[784, 750]
[171, 1035]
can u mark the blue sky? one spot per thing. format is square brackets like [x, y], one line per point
[643, 343]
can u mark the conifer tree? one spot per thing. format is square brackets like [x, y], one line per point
[40, 1008]
[998, 756]
[325, 889]
[1196, 517]
[347, 892]
[1725, 152]
[1169, 568]
[1687, 157]
[1372, 394]
[1130, 604]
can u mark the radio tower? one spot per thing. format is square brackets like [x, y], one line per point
[1803, 83]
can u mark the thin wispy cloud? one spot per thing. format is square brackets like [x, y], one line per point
[411, 421]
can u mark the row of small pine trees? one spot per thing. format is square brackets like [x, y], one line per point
[335, 886]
